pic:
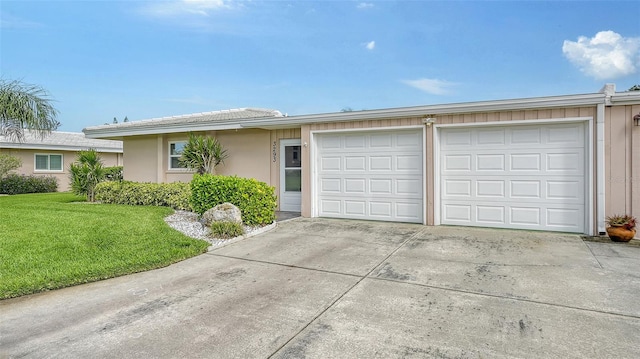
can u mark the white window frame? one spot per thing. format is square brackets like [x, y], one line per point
[169, 165]
[48, 169]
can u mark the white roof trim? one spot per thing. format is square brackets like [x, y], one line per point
[456, 108]
[416, 111]
[105, 132]
[50, 147]
[630, 97]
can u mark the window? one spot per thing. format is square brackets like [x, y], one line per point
[48, 162]
[175, 151]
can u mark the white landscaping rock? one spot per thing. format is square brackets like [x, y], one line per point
[225, 212]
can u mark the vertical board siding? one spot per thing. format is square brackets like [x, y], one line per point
[618, 169]
[635, 164]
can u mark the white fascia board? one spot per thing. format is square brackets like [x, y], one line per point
[148, 130]
[456, 108]
[624, 98]
[57, 147]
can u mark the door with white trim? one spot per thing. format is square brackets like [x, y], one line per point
[290, 175]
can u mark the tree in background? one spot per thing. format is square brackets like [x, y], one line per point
[24, 106]
[634, 88]
[86, 173]
[203, 154]
[8, 163]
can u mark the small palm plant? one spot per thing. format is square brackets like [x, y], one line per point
[86, 173]
[626, 221]
[203, 154]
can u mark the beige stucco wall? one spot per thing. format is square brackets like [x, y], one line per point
[140, 158]
[27, 156]
[250, 154]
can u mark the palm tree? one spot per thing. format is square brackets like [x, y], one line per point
[24, 106]
[86, 173]
[202, 153]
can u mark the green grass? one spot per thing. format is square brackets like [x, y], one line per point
[55, 240]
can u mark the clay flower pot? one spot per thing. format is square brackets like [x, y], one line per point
[621, 227]
[620, 233]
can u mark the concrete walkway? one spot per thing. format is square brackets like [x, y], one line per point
[318, 288]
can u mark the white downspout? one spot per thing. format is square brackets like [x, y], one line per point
[600, 163]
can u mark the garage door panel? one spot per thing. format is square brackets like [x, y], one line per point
[380, 163]
[542, 189]
[353, 142]
[514, 176]
[330, 163]
[519, 216]
[490, 214]
[409, 140]
[409, 211]
[409, 163]
[355, 163]
[489, 188]
[379, 175]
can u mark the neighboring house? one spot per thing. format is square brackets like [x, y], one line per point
[52, 155]
[558, 163]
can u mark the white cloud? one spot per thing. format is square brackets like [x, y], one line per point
[185, 7]
[370, 45]
[605, 56]
[432, 86]
[365, 5]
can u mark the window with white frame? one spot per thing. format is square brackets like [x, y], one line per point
[175, 151]
[48, 162]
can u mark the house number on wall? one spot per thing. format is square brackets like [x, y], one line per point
[275, 154]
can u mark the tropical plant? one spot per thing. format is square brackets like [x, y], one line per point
[8, 163]
[24, 106]
[202, 153]
[622, 220]
[86, 173]
[226, 230]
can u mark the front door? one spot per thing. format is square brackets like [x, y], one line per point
[290, 175]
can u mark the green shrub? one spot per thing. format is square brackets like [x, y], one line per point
[19, 184]
[175, 195]
[8, 163]
[226, 230]
[86, 173]
[256, 200]
[113, 173]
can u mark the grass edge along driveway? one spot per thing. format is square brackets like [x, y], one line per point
[55, 240]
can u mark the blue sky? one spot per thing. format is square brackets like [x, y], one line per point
[106, 59]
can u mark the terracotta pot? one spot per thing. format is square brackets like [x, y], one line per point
[621, 234]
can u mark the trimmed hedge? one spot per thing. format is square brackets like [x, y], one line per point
[256, 200]
[20, 184]
[175, 195]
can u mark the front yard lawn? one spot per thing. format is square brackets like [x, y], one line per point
[55, 240]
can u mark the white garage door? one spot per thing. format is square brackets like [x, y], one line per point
[370, 175]
[525, 177]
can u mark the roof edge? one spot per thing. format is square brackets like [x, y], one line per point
[50, 147]
[455, 108]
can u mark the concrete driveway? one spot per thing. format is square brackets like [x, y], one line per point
[319, 288]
